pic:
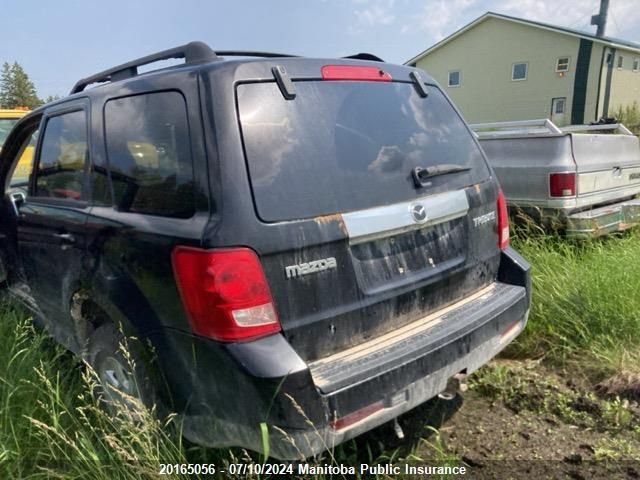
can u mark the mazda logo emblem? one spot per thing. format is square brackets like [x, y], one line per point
[419, 213]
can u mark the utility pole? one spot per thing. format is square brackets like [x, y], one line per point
[601, 19]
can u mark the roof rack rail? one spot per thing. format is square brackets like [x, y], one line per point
[192, 52]
[250, 53]
[365, 56]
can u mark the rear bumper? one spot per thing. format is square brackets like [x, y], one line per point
[587, 222]
[604, 220]
[393, 373]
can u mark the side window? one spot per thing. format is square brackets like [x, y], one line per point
[24, 168]
[149, 153]
[60, 169]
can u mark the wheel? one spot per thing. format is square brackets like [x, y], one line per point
[123, 379]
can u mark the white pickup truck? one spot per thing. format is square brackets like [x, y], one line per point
[585, 177]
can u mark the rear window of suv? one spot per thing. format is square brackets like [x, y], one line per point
[344, 146]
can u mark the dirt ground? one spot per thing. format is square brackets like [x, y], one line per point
[496, 442]
[522, 420]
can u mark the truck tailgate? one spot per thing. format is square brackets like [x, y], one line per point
[606, 163]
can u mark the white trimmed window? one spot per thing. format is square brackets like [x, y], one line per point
[562, 64]
[620, 61]
[636, 64]
[519, 71]
[454, 78]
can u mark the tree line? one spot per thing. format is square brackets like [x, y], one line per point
[17, 89]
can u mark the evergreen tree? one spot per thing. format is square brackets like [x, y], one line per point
[52, 98]
[5, 85]
[16, 89]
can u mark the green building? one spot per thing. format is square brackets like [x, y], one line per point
[503, 68]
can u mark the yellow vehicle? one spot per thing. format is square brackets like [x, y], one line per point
[8, 118]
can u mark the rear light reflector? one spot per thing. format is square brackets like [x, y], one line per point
[562, 184]
[510, 332]
[354, 73]
[503, 221]
[355, 417]
[225, 293]
[261, 315]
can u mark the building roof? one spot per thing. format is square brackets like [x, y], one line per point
[611, 41]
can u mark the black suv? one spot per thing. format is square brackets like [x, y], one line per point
[316, 245]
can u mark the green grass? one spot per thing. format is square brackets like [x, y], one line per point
[50, 426]
[586, 301]
[585, 313]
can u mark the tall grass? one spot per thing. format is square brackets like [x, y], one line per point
[50, 426]
[629, 115]
[586, 300]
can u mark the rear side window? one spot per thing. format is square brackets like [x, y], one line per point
[60, 171]
[344, 146]
[148, 147]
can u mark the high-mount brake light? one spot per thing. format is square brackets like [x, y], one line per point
[562, 184]
[503, 221]
[225, 293]
[354, 73]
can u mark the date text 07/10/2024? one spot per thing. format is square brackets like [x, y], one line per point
[275, 469]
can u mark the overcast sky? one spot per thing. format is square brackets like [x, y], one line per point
[60, 41]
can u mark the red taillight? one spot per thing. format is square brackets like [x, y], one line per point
[503, 221]
[562, 184]
[225, 293]
[354, 73]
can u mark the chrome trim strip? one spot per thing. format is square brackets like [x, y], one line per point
[608, 169]
[364, 225]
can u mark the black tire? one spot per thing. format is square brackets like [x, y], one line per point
[123, 378]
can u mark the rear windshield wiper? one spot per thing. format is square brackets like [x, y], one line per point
[421, 175]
